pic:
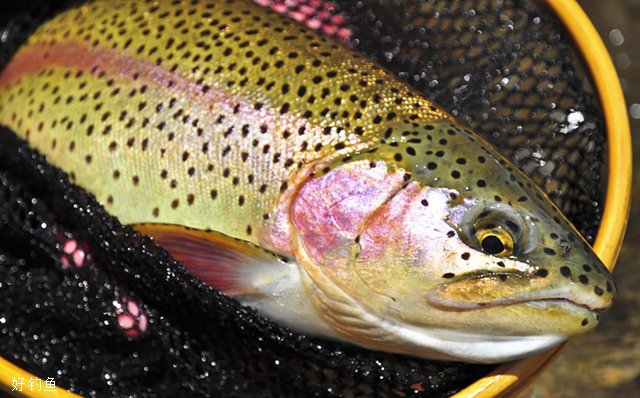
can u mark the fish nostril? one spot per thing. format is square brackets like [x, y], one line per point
[565, 246]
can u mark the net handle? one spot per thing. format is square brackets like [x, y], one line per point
[510, 379]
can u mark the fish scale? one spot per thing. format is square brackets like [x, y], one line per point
[221, 91]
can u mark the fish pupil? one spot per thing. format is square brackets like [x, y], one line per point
[492, 245]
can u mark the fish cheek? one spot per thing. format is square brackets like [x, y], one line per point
[405, 248]
[329, 213]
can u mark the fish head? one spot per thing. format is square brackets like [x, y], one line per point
[464, 246]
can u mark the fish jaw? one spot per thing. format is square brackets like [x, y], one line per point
[537, 306]
[494, 289]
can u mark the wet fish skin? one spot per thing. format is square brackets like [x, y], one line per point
[223, 116]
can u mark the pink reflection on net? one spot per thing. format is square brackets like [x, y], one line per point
[74, 254]
[319, 15]
[131, 319]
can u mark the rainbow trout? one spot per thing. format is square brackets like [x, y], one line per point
[295, 175]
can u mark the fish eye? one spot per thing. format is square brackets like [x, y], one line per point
[496, 242]
[497, 230]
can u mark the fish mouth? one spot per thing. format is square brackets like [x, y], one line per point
[486, 290]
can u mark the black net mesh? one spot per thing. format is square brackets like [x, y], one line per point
[70, 273]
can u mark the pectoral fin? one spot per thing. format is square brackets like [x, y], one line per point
[274, 286]
[232, 266]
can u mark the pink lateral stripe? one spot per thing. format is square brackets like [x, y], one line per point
[79, 57]
[76, 56]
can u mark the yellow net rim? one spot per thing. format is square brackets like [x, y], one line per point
[509, 379]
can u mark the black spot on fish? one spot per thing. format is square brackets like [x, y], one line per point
[542, 272]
